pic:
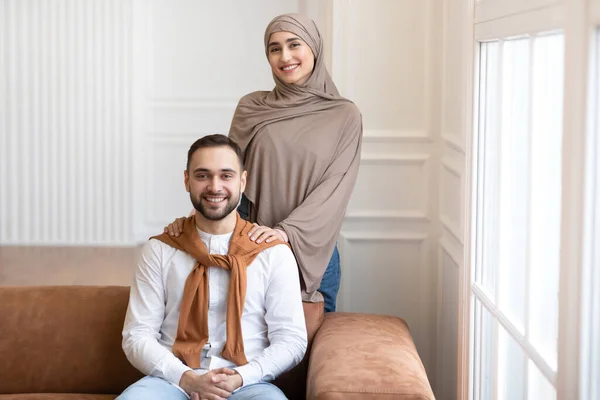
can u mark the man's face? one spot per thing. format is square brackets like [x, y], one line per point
[215, 182]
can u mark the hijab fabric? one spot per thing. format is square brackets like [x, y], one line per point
[301, 147]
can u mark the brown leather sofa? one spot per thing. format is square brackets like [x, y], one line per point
[64, 342]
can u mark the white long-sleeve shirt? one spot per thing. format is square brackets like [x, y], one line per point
[273, 325]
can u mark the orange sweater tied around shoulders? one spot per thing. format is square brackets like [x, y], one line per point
[192, 329]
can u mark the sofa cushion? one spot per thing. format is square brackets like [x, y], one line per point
[365, 356]
[63, 339]
[59, 339]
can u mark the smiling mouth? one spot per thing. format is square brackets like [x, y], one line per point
[214, 199]
[290, 68]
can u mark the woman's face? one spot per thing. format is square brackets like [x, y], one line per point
[290, 57]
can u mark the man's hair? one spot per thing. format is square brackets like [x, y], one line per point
[215, 140]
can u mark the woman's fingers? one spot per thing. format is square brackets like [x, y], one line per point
[268, 235]
[261, 234]
[274, 235]
[255, 226]
[176, 227]
[179, 222]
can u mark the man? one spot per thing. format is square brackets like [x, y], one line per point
[212, 314]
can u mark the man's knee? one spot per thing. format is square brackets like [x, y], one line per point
[149, 388]
[258, 391]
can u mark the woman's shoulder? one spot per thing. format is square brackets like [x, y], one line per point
[252, 97]
[350, 109]
[351, 114]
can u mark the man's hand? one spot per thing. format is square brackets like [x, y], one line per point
[214, 385]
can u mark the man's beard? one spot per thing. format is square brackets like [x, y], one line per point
[232, 203]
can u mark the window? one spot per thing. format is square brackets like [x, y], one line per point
[518, 213]
[590, 384]
[533, 269]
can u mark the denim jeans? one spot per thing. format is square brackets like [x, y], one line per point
[153, 388]
[330, 284]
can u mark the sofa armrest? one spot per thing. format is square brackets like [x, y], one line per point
[365, 356]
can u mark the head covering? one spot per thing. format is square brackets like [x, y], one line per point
[320, 82]
[302, 151]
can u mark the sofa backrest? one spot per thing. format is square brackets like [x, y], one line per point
[63, 339]
[67, 339]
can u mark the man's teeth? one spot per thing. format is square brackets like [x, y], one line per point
[290, 67]
[214, 199]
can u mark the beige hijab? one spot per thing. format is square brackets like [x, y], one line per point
[302, 152]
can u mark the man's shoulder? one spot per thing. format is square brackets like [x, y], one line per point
[278, 254]
[280, 248]
[157, 249]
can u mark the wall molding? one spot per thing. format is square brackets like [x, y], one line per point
[347, 237]
[399, 135]
[446, 248]
[454, 141]
[396, 159]
[383, 236]
[451, 228]
[194, 103]
[451, 167]
[487, 10]
[409, 215]
[545, 19]
[446, 221]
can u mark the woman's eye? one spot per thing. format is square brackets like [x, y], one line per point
[295, 44]
[274, 49]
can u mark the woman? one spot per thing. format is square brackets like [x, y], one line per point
[302, 143]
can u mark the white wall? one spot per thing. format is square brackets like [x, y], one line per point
[200, 58]
[65, 122]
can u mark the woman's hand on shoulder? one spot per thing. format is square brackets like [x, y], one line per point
[260, 234]
[175, 228]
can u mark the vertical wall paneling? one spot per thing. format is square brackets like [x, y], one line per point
[65, 137]
[453, 130]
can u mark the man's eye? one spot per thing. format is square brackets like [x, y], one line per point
[228, 176]
[201, 176]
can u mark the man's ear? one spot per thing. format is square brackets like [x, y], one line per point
[186, 181]
[243, 181]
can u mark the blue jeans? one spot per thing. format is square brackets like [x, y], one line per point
[330, 284]
[153, 388]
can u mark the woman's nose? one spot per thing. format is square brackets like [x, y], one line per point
[286, 55]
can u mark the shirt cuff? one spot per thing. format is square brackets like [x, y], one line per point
[251, 373]
[174, 373]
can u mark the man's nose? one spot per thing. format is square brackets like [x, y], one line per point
[215, 184]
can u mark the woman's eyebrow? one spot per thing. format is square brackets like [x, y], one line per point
[287, 41]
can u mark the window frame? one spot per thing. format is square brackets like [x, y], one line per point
[576, 18]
